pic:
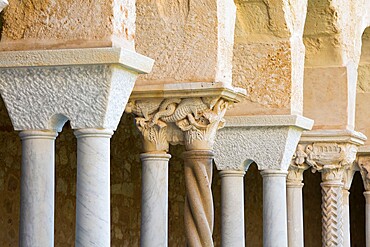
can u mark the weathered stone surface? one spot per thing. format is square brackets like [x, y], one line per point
[66, 24]
[268, 56]
[166, 31]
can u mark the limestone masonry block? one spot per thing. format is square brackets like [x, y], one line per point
[269, 56]
[34, 24]
[191, 41]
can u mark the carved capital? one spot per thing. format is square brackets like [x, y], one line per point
[201, 133]
[189, 121]
[297, 166]
[363, 162]
[326, 155]
[348, 176]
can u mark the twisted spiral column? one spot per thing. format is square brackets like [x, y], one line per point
[332, 210]
[198, 211]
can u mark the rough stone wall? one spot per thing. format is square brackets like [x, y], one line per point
[10, 161]
[333, 32]
[35, 24]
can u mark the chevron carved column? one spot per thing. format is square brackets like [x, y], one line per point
[332, 159]
[332, 206]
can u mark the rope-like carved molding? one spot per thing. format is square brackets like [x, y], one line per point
[189, 121]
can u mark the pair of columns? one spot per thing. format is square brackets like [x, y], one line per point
[42, 90]
[270, 142]
[192, 122]
[274, 208]
[38, 186]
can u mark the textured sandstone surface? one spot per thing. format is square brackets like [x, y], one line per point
[191, 41]
[268, 56]
[35, 24]
[322, 89]
[333, 31]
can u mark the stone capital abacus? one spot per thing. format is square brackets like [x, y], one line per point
[270, 141]
[42, 89]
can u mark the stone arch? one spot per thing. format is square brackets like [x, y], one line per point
[57, 121]
[332, 37]
[363, 86]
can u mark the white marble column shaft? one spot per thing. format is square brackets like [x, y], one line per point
[232, 208]
[367, 220]
[93, 188]
[37, 188]
[154, 201]
[346, 219]
[295, 214]
[275, 232]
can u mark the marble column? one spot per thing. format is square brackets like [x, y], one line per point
[295, 207]
[232, 208]
[363, 161]
[37, 188]
[367, 220]
[332, 207]
[93, 187]
[346, 220]
[154, 200]
[274, 208]
[198, 212]
[347, 182]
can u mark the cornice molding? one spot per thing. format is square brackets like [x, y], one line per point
[128, 59]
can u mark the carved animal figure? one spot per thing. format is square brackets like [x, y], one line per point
[143, 108]
[166, 109]
[187, 106]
